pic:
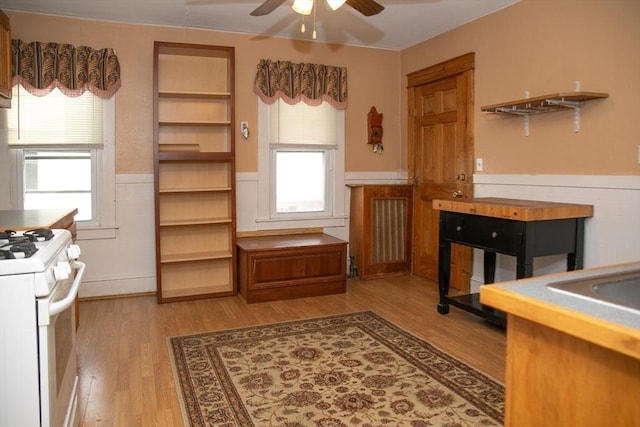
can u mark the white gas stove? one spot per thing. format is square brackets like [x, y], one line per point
[42, 252]
[39, 281]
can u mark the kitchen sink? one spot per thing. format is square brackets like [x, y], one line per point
[620, 289]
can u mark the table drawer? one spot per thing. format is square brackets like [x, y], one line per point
[494, 234]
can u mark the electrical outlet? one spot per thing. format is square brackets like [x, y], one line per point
[479, 165]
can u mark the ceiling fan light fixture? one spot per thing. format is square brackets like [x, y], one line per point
[303, 7]
[335, 4]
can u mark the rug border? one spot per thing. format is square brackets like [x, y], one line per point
[176, 381]
[436, 347]
[176, 378]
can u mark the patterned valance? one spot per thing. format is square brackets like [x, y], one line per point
[309, 83]
[40, 67]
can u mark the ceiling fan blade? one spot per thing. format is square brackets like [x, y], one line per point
[267, 7]
[366, 7]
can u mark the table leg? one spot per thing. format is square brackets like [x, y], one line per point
[524, 267]
[489, 267]
[444, 273]
[575, 259]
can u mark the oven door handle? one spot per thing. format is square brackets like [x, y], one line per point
[63, 304]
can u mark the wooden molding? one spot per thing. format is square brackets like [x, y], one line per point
[444, 69]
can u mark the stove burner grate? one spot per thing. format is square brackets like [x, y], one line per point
[36, 235]
[39, 234]
[17, 250]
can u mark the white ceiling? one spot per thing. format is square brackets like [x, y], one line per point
[402, 24]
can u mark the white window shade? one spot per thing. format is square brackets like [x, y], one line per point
[302, 124]
[55, 120]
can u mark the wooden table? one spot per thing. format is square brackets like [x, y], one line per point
[521, 228]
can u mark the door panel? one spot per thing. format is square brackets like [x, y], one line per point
[441, 165]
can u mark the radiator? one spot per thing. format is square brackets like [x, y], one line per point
[389, 230]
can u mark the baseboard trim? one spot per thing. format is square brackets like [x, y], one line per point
[116, 287]
[105, 297]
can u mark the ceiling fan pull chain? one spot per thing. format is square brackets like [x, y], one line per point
[314, 35]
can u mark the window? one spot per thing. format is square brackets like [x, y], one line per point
[63, 152]
[301, 165]
[294, 194]
[55, 179]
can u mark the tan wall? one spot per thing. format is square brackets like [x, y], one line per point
[374, 80]
[540, 46]
[543, 46]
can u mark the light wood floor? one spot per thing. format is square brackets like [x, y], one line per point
[125, 372]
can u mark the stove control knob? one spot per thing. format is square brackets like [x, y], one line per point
[73, 251]
[62, 270]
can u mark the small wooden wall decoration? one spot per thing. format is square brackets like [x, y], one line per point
[374, 121]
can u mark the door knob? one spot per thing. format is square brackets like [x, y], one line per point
[457, 194]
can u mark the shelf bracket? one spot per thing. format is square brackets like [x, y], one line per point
[576, 105]
[546, 104]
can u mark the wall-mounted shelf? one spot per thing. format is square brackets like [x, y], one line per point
[545, 104]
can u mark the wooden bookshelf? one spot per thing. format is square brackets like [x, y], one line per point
[194, 171]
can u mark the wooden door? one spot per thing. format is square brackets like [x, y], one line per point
[440, 158]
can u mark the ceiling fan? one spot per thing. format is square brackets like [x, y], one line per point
[304, 7]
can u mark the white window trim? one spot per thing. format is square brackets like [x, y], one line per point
[106, 169]
[104, 225]
[267, 221]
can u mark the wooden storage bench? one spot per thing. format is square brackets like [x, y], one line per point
[273, 268]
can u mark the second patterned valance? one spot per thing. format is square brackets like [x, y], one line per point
[309, 83]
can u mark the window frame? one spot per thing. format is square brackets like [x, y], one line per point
[103, 223]
[328, 160]
[95, 159]
[268, 218]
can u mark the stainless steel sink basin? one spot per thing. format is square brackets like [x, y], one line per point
[619, 289]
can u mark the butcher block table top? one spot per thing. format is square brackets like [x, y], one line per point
[31, 219]
[515, 209]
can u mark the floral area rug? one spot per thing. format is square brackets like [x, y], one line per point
[348, 370]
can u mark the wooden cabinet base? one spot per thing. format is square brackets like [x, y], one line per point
[291, 266]
[292, 291]
[554, 379]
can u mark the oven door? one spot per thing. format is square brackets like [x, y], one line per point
[57, 352]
